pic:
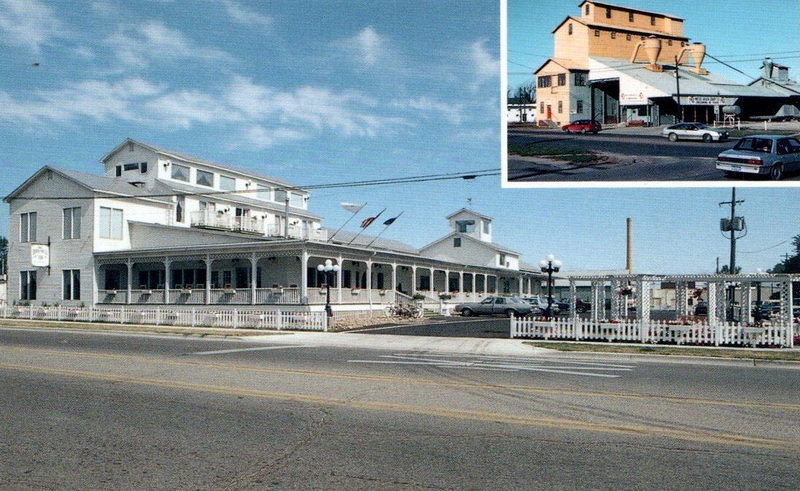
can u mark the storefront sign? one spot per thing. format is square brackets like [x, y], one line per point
[632, 98]
[707, 100]
[40, 255]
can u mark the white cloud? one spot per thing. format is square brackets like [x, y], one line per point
[452, 112]
[138, 45]
[486, 67]
[260, 137]
[105, 8]
[367, 47]
[243, 15]
[28, 24]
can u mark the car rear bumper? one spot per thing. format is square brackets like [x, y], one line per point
[743, 168]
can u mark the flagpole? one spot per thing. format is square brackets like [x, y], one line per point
[384, 229]
[359, 232]
[346, 222]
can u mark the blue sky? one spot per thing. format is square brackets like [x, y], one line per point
[738, 31]
[322, 92]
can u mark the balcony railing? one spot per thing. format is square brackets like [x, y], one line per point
[298, 232]
[225, 221]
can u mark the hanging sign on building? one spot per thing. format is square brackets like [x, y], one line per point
[632, 98]
[40, 255]
[707, 100]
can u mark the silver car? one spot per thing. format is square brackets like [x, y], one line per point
[507, 306]
[771, 155]
[694, 131]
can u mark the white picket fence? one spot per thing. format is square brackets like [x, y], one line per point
[722, 333]
[190, 317]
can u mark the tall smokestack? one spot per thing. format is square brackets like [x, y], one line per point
[629, 254]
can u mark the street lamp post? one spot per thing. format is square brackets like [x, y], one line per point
[550, 265]
[330, 270]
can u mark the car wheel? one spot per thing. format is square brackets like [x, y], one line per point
[776, 172]
[510, 312]
[466, 313]
[706, 138]
[673, 137]
[583, 131]
[581, 310]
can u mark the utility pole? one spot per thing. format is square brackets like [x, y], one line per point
[678, 88]
[735, 224]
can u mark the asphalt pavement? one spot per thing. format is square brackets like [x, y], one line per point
[102, 410]
[630, 157]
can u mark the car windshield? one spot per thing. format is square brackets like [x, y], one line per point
[754, 145]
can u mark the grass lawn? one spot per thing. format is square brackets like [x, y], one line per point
[555, 150]
[742, 353]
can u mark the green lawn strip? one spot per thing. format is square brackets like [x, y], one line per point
[753, 131]
[741, 353]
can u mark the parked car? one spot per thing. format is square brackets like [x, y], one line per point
[580, 305]
[701, 308]
[771, 155]
[582, 126]
[539, 302]
[694, 131]
[507, 306]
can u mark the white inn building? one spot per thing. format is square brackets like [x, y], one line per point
[163, 228]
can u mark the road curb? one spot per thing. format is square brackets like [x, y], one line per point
[136, 328]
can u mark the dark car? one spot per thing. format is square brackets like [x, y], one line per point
[580, 305]
[701, 308]
[582, 126]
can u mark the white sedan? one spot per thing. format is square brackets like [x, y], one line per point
[694, 131]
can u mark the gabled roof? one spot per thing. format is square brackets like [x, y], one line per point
[485, 217]
[489, 245]
[97, 184]
[565, 63]
[192, 159]
[235, 198]
[629, 9]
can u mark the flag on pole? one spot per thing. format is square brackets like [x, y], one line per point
[387, 223]
[352, 207]
[391, 220]
[368, 221]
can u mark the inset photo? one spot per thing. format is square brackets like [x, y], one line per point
[651, 91]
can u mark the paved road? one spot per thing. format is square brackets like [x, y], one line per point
[456, 326]
[634, 158]
[85, 410]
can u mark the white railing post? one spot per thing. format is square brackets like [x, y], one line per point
[513, 326]
[158, 315]
[325, 321]
[717, 332]
[279, 320]
[235, 318]
[194, 316]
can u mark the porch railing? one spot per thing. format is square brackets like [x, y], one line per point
[226, 221]
[650, 331]
[278, 296]
[233, 318]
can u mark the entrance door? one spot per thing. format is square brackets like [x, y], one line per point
[549, 112]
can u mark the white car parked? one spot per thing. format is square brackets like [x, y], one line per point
[694, 131]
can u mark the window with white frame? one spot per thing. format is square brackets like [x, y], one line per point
[263, 192]
[280, 195]
[296, 200]
[465, 226]
[110, 223]
[487, 227]
[502, 259]
[180, 172]
[227, 183]
[180, 209]
[579, 106]
[72, 223]
[72, 284]
[204, 178]
[27, 285]
[456, 241]
[27, 227]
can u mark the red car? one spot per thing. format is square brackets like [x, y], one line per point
[582, 126]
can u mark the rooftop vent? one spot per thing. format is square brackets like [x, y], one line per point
[698, 52]
[652, 48]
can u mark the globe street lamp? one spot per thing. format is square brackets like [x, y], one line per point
[550, 265]
[330, 270]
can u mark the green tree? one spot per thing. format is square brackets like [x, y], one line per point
[3, 254]
[725, 269]
[792, 263]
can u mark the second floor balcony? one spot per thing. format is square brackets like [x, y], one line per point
[226, 221]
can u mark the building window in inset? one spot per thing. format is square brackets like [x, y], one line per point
[630, 16]
[204, 178]
[72, 223]
[587, 9]
[27, 285]
[579, 106]
[72, 284]
[669, 42]
[541, 108]
[119, 170]
[613, 35]
[562, 79]
[27, 227]
[544, 81]
[597, 33]
[560, 107]
[608, 13]
[652, 20]
[569, 29]
[580, 79]
[627, 37]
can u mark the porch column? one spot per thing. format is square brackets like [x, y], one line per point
[167, 278]
[253, 271]
[485, 284]
[208, 279]
[130, 273]
[369, 280]
[746, 313]
[340, 262]
[681, 304]
[519, 283]
[394, 277]
[303, 277]
[413, 279]
[447, 281]
[461, 282]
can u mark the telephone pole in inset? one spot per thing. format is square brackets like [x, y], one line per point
[732, 225]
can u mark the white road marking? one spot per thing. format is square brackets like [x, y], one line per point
[499, 364]
[260, 348]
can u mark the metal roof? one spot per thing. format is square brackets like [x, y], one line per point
[691, 83]
[343, 237]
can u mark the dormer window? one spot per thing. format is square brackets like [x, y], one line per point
[143, 167]
[587, 9]
[456, 241]
[262, 192]
[465, 226]
[127, 167]
[180, 173]
[204, 178]
[502, 259]
[486, 227]
[227, 183]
